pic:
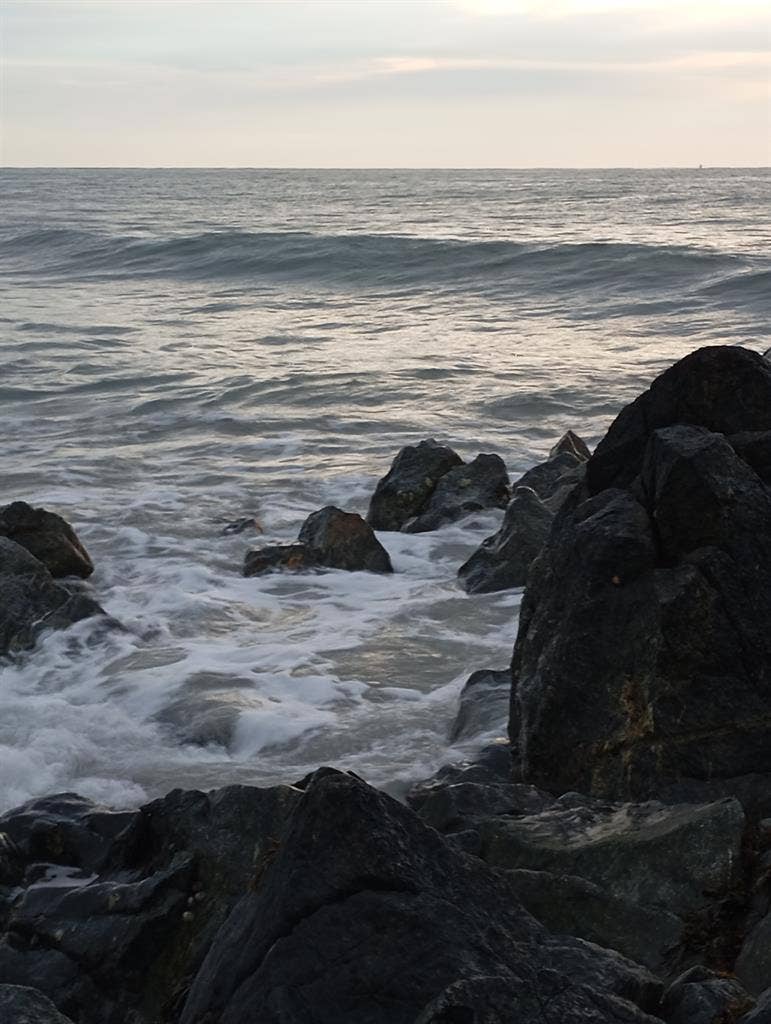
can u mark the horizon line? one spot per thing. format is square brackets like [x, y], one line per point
[381, 167]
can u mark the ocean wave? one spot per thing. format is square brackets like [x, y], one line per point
[368, 260]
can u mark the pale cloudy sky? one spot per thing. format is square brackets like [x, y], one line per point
[386, 83]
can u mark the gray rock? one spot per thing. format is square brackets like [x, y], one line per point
[48, 537]
[404, 490]
[22, 1005]
[761, 1014]
[650, 854]
[32, 602]
[503, 560]
[481, 484]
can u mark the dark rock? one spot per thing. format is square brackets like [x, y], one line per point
[570, 905]
[32, 602]
[48, 537]
[409, 483]
[753, 967]
[571, 442]
[241, 525]
[484, 703]
[481, 484]
[761, 1014]
[460, 806]
[702, 997]
[503, 560]
[644, 657]
[22, 1005]
[365, 914]
[560, 472]
[755, 450]
[343, 540]
[279, 558]
[702, 390]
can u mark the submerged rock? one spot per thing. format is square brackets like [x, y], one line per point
[480, 484]
[643, 657]
[404, 490]
[48, 537]
[503, 560]
[32, 602]
[329, 539]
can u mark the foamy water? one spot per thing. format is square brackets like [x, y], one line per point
[185, 348]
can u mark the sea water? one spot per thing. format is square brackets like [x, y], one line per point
[186, 348]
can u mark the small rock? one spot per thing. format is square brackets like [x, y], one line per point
[572, 443]
[481, 484]
[279, 558]
[343, 540]
[409, 483]
[484, 705]
[702, 997]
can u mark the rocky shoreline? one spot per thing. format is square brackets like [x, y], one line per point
[608, 861]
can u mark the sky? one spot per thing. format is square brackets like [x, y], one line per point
[385, 83]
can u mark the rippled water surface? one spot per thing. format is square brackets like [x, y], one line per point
[183, 348]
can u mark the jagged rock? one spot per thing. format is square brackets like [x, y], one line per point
[702, 997]
[343, 540]
[503, 560]
[700, 390]
[482, 483]
[123, 945]
[329, 539]
[571, 442]
[48, 537]
[483, 705]
[556, 475]
[22, 1005]
[644, 657]
[32, 602]
[367, 914]
[753, 966]
[409, 483]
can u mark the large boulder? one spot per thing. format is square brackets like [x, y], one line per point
[481, 484]
[329, 539]
[644, 656]
[404, 490]
[503, 560]
[32, 602]
[48, 537]
[365, 914]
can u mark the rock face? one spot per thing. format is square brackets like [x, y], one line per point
[32, 602]
[429, 485]
[48, 537]
[329, 539]
[644, 656]
[503, 560]
[483, 483]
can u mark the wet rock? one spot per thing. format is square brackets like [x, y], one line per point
[279, 558]
[558, 474]
[367, 914]
[702, 997]
[484, 703]
[241, 525]
[481, 484]
[343, 540]
[48, 537]
[503, 560]
[329, 539]
[22, 1005]
[753, 967]
[32, 602]
[409, 483]
[643, 658]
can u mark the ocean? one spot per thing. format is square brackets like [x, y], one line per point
[183, 348]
